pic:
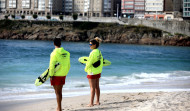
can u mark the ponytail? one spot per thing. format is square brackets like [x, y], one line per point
[96, 41]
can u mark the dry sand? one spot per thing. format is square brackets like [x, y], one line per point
[146, 101]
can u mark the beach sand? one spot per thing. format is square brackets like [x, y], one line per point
[143, 101]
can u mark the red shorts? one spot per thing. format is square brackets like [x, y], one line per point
[58, 80]
[94, 76]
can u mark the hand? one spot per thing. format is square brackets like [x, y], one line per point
[51, 78]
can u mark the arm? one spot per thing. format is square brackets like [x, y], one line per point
[52, 65]
[89, 62]
[69, 61]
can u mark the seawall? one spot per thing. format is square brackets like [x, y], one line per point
[84, 31]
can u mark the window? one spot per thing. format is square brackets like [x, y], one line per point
[2, 4]
[186, 0]
[41, 5]
[36, 3]
[128, 6]
[139, 3]
[129, 2]
[186, 14]
[139, 8]
[187, 9]
[186, 4]
[12, 4]
[26, 3]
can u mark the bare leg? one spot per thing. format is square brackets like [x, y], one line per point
[92, 83]
[97, 90]
[58, 92]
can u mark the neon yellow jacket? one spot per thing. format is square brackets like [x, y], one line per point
[94, 56]
[63, 58]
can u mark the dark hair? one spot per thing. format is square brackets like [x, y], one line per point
[57, 42]
[96, 41]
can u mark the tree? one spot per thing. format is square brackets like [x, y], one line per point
[35, 16]
[61, 17]
[48, 17]
[75, 16]
[23, 16]
[13, 16]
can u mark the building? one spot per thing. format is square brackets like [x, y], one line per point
[81, 7]
[107, 8]
[173, 8]
[139, 8]
[154, 9]
[127, 8]
[133, 8]
[67, 7]
[186, 9]
[96, 8]
[30, 7]
[93, 8]
[101, 8]
[2, 6]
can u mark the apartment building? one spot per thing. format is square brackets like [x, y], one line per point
[100, 8]
[154, 9]
[30, 7]
[92, 8]
[173, 8]
[107, 9]
[127, 8]
[133, 8]
[2, 6]
[139, 8]
[81, 7]
[186, 9]
[67, 7]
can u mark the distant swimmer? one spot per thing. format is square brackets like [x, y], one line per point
[57, 79]
[93, 68]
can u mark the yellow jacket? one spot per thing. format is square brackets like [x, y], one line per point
[94, 56]
[61, 56]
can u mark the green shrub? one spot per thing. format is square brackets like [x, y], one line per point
[61, 17]
[75, 16]
[48, 17]
[13, 16]
[6, 17]
[23, 16]
[35, 16]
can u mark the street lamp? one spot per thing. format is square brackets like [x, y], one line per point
[88, 14]
[51, 7]
[117, 11]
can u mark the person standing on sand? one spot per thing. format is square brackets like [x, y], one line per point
[57, 79]
[93, 68]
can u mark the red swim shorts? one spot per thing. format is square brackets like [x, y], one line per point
[94, 76]
[58, 80]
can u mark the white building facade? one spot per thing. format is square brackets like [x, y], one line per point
[154, 9]
[2, 6]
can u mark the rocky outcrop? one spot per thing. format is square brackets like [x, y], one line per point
[109, 34]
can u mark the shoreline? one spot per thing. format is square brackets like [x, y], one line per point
[139, 101]
[168, 85]
[71, 94]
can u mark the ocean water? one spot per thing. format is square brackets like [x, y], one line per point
[135, 68]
